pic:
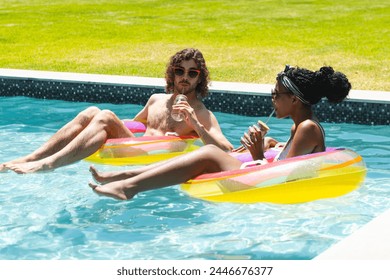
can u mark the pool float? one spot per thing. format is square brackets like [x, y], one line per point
[246, 156]
[328, 174]
[150, 149]
[135, 126]
[144, 149]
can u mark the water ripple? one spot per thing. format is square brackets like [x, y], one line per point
[55, 215]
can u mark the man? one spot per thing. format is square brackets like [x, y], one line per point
[186, 74]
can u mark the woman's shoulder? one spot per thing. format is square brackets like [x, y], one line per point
[309, 126]
[309, 123]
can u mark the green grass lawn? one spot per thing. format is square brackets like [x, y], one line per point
[243, 41]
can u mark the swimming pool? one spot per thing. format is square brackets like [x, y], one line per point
[55, 215]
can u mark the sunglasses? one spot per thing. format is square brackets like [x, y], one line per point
[180, 71]
[276, 94]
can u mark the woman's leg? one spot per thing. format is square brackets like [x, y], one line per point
[103, 125]
[207, 159]
[110, 176]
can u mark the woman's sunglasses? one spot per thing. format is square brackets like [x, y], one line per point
[180, 71]
[276, 94]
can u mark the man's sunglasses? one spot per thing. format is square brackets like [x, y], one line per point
[180, 71]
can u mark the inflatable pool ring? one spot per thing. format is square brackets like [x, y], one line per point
[150, 149]
[294, 180]
[135, 126]
[269, 155]
[144, 149]
[246, 155]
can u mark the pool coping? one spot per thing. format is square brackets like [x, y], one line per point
[254, 88]
[370, 242]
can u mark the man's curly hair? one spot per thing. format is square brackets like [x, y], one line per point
[202, 88]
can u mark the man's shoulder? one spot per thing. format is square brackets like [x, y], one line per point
[200, 106]
[158, 96]
[202, 111]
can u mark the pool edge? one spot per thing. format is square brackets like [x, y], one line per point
[370, 242]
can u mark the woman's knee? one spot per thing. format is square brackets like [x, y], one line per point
[210, 148]
[210, 151]
[211, 158]
[218, 160]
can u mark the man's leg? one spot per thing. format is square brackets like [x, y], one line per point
[102, 126]
[61, 138]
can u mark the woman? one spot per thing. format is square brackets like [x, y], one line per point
[295, 91]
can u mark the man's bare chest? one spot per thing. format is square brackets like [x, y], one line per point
[159, 118]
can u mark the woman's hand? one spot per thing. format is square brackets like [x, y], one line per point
[239, 149]
[254, 142]
[270, 143]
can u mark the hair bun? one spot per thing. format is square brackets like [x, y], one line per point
[326, 71]
[335, 85]
[314, 85]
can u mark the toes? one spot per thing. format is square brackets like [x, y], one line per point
[92, 169]
[15, 169]
[92, 186]
[3, 168]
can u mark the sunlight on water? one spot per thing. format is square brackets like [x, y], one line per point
[55, 215]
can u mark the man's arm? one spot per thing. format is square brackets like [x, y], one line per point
[142, 115]
[208, 129]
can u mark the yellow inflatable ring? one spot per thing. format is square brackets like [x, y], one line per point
[144, 149]
[295, 180]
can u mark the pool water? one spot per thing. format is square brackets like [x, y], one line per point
[55, 215]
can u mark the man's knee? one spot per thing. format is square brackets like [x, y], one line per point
[85, 116]
[106, 116]
[90, 111]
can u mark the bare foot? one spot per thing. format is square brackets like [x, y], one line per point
[28, 167]
[3, 167]
[115, 190]
[99, 177]
[108, 177]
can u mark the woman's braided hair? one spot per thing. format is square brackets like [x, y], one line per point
[314, 85]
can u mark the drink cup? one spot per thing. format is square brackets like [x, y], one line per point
[263, 128]
[177, 115]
